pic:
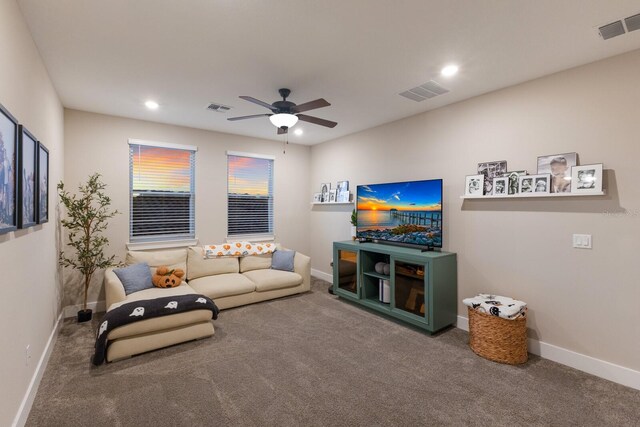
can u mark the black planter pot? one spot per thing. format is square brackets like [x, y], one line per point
[84, 315]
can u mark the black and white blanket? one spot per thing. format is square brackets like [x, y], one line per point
[147, 309]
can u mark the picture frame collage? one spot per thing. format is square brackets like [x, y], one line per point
[556, 173]
[24, 176]
[340, 194]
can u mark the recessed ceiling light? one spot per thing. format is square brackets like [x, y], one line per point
[449, 70]
[152, 105]
[298, 132]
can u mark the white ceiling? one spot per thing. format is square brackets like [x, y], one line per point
[111, 56]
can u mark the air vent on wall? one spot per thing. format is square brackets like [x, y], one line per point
[429, 90]
[218, 108]
[611, 30]
[633, 22]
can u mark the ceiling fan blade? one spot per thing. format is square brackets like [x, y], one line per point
[282, 131]
[311, 105]
[317, 121]
[257, 101]
[248, 117]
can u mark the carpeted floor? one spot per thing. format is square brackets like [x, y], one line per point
[316, 360]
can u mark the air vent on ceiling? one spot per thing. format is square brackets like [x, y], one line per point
[218, 108]
[611, 30]
[633, 22]
[429, 90]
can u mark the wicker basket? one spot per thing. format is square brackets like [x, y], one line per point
[498, 339]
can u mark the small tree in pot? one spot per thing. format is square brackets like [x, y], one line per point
[354, 223]
[87, 215]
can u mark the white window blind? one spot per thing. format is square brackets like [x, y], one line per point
[162, 192]
[249, 195]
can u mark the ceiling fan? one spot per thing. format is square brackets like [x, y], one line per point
[286, 114]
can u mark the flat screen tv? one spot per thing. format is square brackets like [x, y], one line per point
[405, 213]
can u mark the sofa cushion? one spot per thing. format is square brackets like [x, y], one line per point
[222, 285]
[283, 260]
[176, 258]
[153, 293]
[255, 262]
[134, 278]
[268, 280]
[198, 266]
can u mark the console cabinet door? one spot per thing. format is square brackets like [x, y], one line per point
[345, 272]
[410, 290]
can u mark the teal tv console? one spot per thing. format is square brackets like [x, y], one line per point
[423, 286]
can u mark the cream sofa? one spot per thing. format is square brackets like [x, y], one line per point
[228, 281]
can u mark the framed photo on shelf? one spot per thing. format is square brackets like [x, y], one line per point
[317, 198]
[525, 184]
[8, 168]
[43, 185]
[513, 180]
[474, 185]
[343, 197]
[27, 170]
[586, 179]
[541, 183]
[324, 190]
[491, 170]
[342, 186]
[501, 186]
[332, 196]
[559, 166]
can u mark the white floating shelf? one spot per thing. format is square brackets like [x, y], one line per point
[331, 203]
[534, 195]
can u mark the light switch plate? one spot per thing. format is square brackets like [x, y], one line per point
[582, 241]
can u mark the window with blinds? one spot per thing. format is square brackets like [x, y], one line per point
[249, 195]
[162, 192]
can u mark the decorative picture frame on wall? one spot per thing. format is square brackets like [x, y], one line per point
[317, 198]
[332, 196]
[474, 185]
[559, 166]
[342, 186]
[324, 190]
[26, 177]
[491, 170]
[501, 186]
[513, 180]
[8, 171]
[586, 179]
[43, 185]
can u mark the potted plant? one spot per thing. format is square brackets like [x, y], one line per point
[87, 215]
[354, 223]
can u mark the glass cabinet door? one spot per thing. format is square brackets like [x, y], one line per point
[347, 271]
[410, 295]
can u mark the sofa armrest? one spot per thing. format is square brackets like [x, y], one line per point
[302, 266]
[113, 288]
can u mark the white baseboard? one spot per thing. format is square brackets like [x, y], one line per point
[25, 406]
[72, 310]
[322, 275]
[600, 368]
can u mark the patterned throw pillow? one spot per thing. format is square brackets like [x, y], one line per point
[237, 249]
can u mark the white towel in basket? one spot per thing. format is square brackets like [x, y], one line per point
[496, 305]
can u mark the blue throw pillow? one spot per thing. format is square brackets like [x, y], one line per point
[283, 260]
[136, 277]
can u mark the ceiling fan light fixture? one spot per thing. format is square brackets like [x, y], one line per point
[283, 120]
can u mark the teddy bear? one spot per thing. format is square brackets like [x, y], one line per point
[166, 278]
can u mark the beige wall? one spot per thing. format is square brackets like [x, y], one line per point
[98, 143]
[31, 292]
[581, 300]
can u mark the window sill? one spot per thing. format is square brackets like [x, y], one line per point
[165, 244]
[251, 238]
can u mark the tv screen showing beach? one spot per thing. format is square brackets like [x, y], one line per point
[402, 212]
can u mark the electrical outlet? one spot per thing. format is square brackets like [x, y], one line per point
[27, 355]
[582, 241]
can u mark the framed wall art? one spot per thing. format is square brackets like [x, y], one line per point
[43, 185]
[8, 171]
[586, 179]
[474, 185]
[491, 170]
[559, 166]
[27, 170]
